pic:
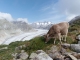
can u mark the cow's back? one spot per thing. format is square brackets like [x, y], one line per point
[59, 28]
[63, 27]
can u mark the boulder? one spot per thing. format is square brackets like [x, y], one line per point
[77, 55]
[33, 55]
[20, 56]
[78, 37]
[78, 42]
[54, 53]
[75, 47]
[72, 57]
[54, 48]
[40, 55]
[63, 51]
[23, 55]
[65, 45]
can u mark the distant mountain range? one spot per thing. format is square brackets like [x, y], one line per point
[42, 25]
[12, 28]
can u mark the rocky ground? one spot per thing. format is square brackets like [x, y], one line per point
[54, 53]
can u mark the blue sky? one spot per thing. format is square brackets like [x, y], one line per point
[39, 10]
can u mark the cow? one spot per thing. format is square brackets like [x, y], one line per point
[59, 31]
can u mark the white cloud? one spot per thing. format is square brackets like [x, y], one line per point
[72, 6]
[6, 16]
[69, 8]
[23, 20]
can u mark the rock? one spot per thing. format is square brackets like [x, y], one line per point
[65, 45]
[41, 55]
[63, 51]
[24, 46]
[17, 49]
[77, 55]
[78, 37]
[78, 42]
[75, 47]
[23, 55]
[20, 56]
[57, 59]
[54, 49]
[67, 58]
[33, 55]
[55, 53]
[72, 57]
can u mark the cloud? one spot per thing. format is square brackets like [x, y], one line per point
[69, 8]
[6, 16]
[23, 20]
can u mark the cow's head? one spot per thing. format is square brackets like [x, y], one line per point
[46, 38]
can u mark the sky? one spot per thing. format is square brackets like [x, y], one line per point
[39, 10]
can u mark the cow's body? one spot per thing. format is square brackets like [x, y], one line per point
[58, 31]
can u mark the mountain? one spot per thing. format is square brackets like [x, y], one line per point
[42, 25]
[75, 24]
[22, 25]
[9, 29]
[75, 20]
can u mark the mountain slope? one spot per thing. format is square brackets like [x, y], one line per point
[22, 25]
[75, 25]
[9, 29]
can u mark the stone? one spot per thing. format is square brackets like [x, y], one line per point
[72, 57]
[65, 45]
[77, 55]
[78, 42]
[54, 55]
[33, 55]
[78, 37]
[17, 49]
[20, 56]
[75, 47]
[54, 48]
[63, 51]
[23, 55]
[41, 55]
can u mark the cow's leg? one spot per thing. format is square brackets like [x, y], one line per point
[54, 40]
[62, 37]
[65, 37]
[59, 36]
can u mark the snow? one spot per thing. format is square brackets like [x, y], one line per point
[25, 36]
